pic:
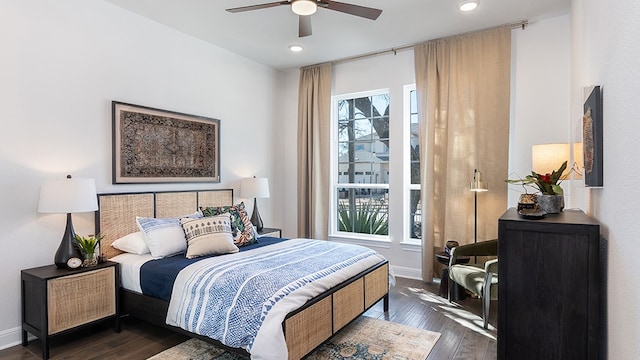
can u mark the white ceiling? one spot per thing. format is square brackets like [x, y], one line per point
[264, 35]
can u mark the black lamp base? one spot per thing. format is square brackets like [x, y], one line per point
[67, 248]
[256, 220]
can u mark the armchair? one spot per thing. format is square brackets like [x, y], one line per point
[480, 279]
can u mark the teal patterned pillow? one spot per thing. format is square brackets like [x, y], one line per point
[243, 231]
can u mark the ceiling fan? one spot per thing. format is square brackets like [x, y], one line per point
[305, 8]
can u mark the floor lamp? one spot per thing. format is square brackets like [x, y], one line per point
[477, 185]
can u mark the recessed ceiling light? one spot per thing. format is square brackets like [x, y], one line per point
[304, 7]
[295, 48]
[468, 5]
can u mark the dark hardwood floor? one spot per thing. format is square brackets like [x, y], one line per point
[417, 304]
[412, 303]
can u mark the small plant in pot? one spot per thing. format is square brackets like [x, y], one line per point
[551, 198]
[88, 246]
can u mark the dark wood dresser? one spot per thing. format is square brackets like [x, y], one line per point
[548, 306]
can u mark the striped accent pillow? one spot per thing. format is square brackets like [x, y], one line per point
[164, 236]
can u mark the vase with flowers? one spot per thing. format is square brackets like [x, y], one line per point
[551, 197]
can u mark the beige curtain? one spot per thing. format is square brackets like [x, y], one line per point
[463, 96]
[314, 116]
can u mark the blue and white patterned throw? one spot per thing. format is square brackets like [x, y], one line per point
[231, 298]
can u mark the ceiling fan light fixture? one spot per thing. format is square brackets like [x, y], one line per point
[468, 5]
[295, 48]
[304, 7]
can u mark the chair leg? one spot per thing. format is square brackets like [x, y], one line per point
[486, 298]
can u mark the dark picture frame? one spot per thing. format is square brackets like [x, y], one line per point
[592, 142]
[160, 146]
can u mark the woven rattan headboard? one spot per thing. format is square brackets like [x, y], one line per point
[117, 214]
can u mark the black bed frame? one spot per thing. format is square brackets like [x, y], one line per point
[154, 310]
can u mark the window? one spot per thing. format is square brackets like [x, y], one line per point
[412, 168]
[361, 163]
[362, 179]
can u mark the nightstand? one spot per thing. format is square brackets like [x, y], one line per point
[57, 301]
[272, 232]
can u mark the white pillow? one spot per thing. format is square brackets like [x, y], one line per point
[209, 236]
[133, 243]
[163, 236]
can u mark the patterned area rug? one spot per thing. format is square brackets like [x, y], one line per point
[365, 338]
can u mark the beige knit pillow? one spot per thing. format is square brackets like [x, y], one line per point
[208, 236]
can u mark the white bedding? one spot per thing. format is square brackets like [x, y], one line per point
[130, 265]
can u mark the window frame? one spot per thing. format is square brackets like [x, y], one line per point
[335, 165]
[407, 186]
[399, 192]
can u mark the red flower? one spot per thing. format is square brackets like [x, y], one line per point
[547, 184]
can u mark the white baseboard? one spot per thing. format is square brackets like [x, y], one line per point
[406, 272]
[12, 337]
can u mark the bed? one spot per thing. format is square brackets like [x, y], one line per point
[304, 328]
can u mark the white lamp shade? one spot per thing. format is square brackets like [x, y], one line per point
[68, 196]
[304, 7]
[255, 188]
[547, 158]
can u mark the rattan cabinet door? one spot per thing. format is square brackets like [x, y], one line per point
[376, 285]
[307, 329]
[348, 303]
[80, 299]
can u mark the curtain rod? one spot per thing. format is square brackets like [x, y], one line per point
[523, 24]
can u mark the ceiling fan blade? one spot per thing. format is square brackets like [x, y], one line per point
[357, 10]
[257, 7]
[304, 28]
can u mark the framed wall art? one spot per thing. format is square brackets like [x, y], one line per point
[159, 146]
[592, 138]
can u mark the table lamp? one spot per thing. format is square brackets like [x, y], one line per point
[547, 157]
[67, 196]
[255, 188]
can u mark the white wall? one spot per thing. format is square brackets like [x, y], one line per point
[62, 64]
[288, 164]
[539, 93]
[605, 52]
[540, 109]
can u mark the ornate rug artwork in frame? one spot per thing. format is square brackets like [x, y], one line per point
[159, 146]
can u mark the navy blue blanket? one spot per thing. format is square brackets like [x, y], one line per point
[157, 276]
